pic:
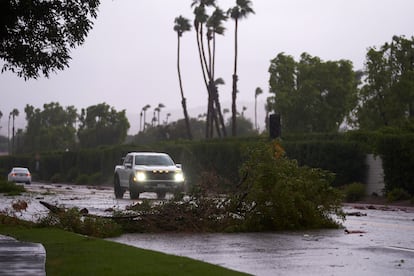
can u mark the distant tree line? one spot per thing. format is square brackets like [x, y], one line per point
[57, 128]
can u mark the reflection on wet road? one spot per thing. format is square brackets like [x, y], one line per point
[382, 242]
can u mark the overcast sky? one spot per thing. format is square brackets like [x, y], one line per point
[129, 57]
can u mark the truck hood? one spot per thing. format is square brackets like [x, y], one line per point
[157, 168]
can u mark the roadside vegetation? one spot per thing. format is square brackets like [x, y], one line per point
[274, 193]
[10, 188]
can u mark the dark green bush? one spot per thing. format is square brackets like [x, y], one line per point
[95, 179]
[56, 178]
[82, 179]
[354, 192]
[345, 159]
[397, 153]
[10, 188]
[279, 194]
[397, 194]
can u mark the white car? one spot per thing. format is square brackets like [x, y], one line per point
[148, 172]
[18, 174]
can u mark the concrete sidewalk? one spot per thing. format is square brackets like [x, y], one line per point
[21, 258]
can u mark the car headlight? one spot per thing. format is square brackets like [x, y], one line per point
[179, 177]
[140, 176]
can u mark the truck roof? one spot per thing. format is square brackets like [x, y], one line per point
[146, 153]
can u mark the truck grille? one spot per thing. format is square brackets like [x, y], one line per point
[160, 175]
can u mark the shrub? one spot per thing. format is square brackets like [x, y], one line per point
[278, 194]
[397, 155]
[95, 179]
[10, 188]
[72, 175]
[56, 178]
[82, 179]
[354, 192]
[398, 194]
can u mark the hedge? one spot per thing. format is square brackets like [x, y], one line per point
[216, 157]
[397, 153]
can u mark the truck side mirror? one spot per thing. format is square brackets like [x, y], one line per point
[128, 165]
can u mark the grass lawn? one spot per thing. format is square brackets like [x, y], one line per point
[68, 253]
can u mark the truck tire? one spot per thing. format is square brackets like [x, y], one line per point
[133, 191]
[118, 190]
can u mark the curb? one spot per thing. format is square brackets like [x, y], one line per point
[21, 258]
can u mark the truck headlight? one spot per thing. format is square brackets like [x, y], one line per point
[179, 177]
[140, 176]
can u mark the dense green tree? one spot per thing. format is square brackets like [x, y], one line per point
[52, 128]
[312, 95]
[173, 131]
[238, 12]
[182, 25]
[387, 97]
[4, 142]
[36, 36]
[176, 130]
[102, 125]
[244, 126]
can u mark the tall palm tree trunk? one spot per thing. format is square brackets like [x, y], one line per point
[234, 90]
[201, 56]
[215, 91]
[183, 99]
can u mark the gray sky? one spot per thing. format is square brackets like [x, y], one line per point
[129, 57]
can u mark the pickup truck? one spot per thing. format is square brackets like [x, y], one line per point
[148, 172]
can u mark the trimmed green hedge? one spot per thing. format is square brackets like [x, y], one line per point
[345, 159]
[213, 157]
[397, 153]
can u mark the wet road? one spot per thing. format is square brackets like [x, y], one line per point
[384, 246]
[387, 248]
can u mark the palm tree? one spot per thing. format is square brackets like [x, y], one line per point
[256, 93]
[166, 118]
[182, 25]
[160, 106]
[243, 110]
[154, 119]
[8, 135]
[145, 111]
[14, 113]
[214, 25]
[200, 18]
[225, 111]
[241, 10]
[140, 120]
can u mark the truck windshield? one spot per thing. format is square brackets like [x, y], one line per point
[153, 160]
